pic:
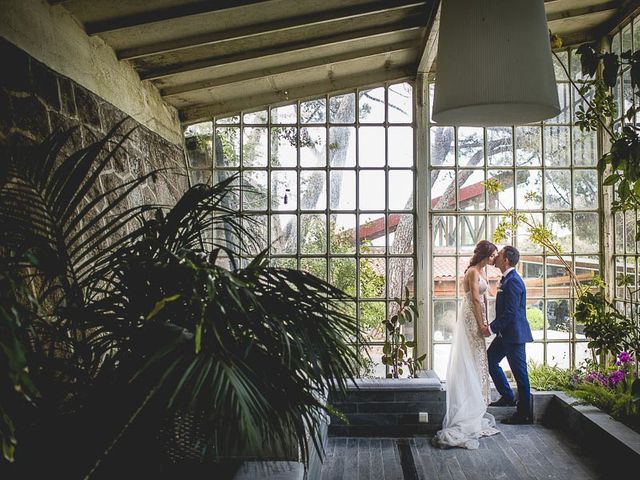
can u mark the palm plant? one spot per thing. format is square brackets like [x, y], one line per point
[138, 299]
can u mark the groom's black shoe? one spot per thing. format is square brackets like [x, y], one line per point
[517, 419]
[503, 402]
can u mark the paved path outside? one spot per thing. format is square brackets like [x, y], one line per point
[519, 452]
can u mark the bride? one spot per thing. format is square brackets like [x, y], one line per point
[468, 387]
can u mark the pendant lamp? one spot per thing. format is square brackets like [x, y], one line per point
[494, 64]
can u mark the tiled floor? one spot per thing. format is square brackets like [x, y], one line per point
[519, 452]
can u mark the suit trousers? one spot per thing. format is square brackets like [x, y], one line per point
[517, 358]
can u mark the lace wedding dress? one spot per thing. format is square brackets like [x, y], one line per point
[468, 387]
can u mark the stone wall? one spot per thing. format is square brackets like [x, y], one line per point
[36, 101]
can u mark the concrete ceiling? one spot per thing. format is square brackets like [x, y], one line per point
[218, 57]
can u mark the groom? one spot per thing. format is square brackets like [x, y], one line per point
[512, 333]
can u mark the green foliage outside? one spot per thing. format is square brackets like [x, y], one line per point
[535, 318]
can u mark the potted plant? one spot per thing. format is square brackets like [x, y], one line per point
[145, 314]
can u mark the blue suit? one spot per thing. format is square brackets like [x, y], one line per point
[512, 333]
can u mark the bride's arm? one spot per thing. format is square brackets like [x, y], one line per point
[476, 298]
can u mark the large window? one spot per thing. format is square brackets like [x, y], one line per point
[548, 172]
[331, 182]
[626, 247]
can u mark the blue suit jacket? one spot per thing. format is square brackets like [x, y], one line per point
[511, 311]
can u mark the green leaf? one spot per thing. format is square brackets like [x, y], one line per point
[611, 179]
[157, 308]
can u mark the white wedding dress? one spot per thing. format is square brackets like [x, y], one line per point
[468, 387]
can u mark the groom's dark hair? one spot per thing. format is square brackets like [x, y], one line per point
[512, 254]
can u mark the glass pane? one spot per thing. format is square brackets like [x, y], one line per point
[585, 148]
[372, 314]
[626, 38]
[558, 319]
[257, 240]
[627, 92]
[443, 191]
[444, 320]
[197, 139]
[371, 105]
[400, 146]
[442, 146]
[372, 359]
[401, 103]
[313, 111]
[535, 352]
[470, 146]
[283, 147]
[313, 233]
[500, 146]
[372, 233]
[342, 146]
[254, 147]
[343, 191]
[444, 233]
[254, 190]
[585, 189]
[587, 233]
[371, 146]
[558, 280]
[444, 276]
[636, 34]
[557, 189]
[284, 234]
[284, 190]
[586, 267]
[529, 189]
[256, 117]
[493, 222]
[557, 146]
[558, 355]
[559, 224]
[284, 262]
[524, 237]
[619, 232]
[502, 200]
[371, 189]
[313, 147]
[227, 146]
[342, 108]
[400, 189]
[313, 190]
[531, 269]
[471, 195]
[535, 317]
[400, 233]
[528, 146]
[315, 266]
[284, 114]
[583, 352]
[372, 278]
[342, 233]
[564, 95]
[557, 65]
[472, 230]
[342, 273]
[630, 231]
[579, 103]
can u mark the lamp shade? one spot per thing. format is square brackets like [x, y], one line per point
[494, 64]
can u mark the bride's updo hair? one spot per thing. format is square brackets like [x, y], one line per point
[484, 249]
